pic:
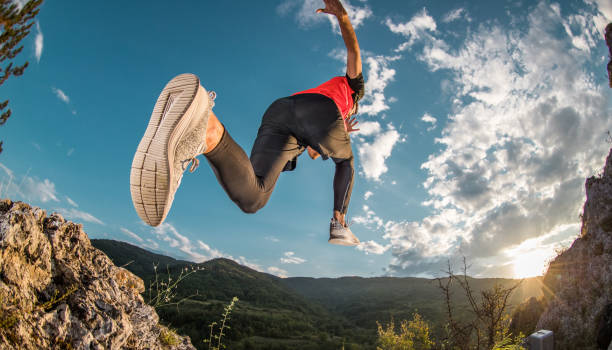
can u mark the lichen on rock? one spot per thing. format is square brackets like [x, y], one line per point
[58, 291]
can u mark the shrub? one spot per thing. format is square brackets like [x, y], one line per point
[413, 334]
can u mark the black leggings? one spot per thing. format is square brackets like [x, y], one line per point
[287, 127]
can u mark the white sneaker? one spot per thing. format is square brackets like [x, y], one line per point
[341, 235]
[175, 136]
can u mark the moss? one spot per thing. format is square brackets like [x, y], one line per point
[168, 336]
[8, 317]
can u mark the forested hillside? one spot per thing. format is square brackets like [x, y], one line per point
[298, 312]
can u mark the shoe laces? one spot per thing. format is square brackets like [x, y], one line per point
[337, 223]
[194, 161]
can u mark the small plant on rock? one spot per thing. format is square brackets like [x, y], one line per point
[216, 338]
[168, 337]
[163, 292]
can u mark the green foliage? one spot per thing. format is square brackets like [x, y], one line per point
[413, 335]
[168, 337]
[507, 342]
[297, 313]
[163, 292]
[16, 25]
[56, 298]
[216, 337]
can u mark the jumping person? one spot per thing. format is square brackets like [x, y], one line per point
[183, 126]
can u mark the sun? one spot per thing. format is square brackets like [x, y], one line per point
[530, 264]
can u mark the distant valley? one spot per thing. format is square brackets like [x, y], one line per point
[295, 312]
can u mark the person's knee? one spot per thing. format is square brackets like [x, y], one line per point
[251, 207]
[349, 162]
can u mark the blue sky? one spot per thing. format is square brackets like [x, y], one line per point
[481, 121]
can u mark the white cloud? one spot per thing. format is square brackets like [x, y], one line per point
[78, 215]
[605, 8]
[277, 271]
[7, 171]
[70, 152]
[368, 128]
[27, 188]
[243, 261]
[71, 202]
[427, 118]
[367, 195]
[582, 34]
[151, 244]
[38, 42]
[455, 15]
[42, 190]
[60, 94]
[373, 153]
[272, 239]
[168, 233]
[415, 29]
[211, 253]
[132, 234]
[523, 134]
[379, 75]
[198, 253]
[369, 219]
[371, 247]
[290, 258]
[306, 16]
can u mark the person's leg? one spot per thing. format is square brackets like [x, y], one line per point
[343, 186]
[249, 183]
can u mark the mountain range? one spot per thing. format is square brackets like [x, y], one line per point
[294, 312]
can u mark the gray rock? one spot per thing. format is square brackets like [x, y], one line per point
[59, 292]
[578, 283]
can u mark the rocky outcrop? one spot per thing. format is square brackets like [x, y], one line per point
[59, 292]
[578, 283]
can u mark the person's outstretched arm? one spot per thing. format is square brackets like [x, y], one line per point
[353, 56]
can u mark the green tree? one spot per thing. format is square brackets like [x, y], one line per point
[413, 335]
[16, 24]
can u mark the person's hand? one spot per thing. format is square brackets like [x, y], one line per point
[333, 7]
[312, 153]
[350, 124]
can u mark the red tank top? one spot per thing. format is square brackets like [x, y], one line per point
[338, 90]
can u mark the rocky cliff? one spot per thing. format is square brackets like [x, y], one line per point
[578, 283]
[59, 292]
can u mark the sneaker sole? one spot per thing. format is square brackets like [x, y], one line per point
[152, 170]
[342, 242]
